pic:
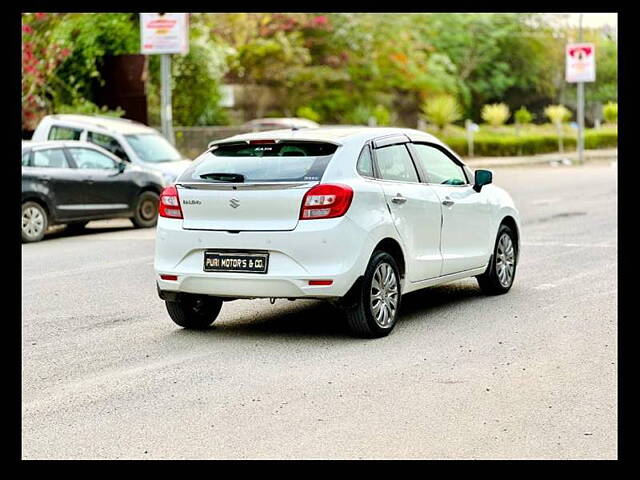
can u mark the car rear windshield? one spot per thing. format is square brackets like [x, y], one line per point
[262, 162]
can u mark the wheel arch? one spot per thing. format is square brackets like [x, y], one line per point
[34, 197]
[149, 187]
[510, 222]
[393, 248]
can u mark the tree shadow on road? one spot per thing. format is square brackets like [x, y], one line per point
[321, 320]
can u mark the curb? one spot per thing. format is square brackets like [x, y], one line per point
[549, 158]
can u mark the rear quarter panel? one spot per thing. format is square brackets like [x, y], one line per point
[368, 208]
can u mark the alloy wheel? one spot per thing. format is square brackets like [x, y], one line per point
[505, 260]
[384, 295]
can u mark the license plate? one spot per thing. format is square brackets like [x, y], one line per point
[235, 262]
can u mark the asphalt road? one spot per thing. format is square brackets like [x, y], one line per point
[531, 374]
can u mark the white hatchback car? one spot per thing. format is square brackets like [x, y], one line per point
[356, 215]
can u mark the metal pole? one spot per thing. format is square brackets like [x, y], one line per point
[166, 116]
[580, 108]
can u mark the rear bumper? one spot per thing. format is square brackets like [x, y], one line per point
[332, 249]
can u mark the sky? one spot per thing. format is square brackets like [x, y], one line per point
[593, 20]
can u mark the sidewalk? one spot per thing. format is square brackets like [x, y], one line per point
[601, 154]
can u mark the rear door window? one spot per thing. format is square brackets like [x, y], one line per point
[263, 162]
[50, 158]
[87, 158]
[394, 163]
[64, 133]
[107, 142]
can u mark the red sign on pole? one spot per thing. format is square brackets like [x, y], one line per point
[581, 62]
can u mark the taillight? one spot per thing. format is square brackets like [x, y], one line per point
[326, 201]
[169, 205]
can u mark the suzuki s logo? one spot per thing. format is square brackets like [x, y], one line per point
[234, 203]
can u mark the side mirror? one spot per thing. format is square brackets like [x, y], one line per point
[121, 167]
[482, 178]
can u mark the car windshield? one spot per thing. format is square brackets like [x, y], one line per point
[152, 147]
[281, 162]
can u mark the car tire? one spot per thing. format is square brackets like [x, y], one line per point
[35, 222]
[146, 210]
[501, 271]
[370, 314]
[194, 311]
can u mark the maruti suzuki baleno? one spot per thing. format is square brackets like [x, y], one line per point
[355, 215]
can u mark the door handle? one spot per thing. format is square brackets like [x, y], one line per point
[447, 202]
[398, 199]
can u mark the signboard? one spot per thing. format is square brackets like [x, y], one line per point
[581, 62]
[227, 99]
[164, 33]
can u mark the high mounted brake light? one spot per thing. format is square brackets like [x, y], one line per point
[260, 142]
[326, 201]
[169, 204]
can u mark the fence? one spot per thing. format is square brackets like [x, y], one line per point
[192, 141]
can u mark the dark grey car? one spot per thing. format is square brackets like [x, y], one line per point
[70, 182]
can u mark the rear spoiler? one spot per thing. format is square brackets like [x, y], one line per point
[275, 140]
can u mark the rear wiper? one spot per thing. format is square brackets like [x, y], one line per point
[224, 177]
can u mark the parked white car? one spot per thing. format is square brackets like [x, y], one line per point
[357, 215]
[131, 141]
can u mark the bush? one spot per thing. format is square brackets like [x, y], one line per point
[495, 114]
[557, 114]
[610, 112]
[486, 145]
[441, 110]
[523, 116]
[308, 113]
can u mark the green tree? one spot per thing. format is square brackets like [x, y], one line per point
[195, 80]
[92, 36]
[498, 55]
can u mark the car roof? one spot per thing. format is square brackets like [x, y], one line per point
[338, 134]
[30, 144]
[114, 124]
[283, 120]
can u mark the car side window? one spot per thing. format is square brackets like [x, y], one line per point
[25, 159]
[365, 162]
[439, 167]
[394, 163]
[64, 133]
[87, 158]
[50, 158]
[107, 142]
